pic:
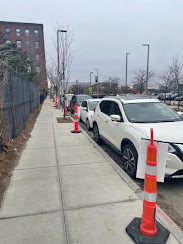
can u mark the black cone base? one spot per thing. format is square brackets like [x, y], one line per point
[76, 131]
[133, 231]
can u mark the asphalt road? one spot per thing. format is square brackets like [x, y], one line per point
[170, 193]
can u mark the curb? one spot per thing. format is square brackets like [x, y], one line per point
[162, 217]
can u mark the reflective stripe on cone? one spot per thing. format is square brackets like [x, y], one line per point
[148, 221]
[76, 121]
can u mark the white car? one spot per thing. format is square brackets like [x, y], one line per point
[86, 111]
[122, 122]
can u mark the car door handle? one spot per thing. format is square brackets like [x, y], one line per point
[107, 122]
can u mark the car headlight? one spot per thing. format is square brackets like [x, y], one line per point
[171, 149]
[180, 146]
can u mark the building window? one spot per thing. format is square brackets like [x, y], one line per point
[37, 69]
[17, 31]
[7, 29]
[29, 69]
[28, 56]
[27, 32]
[27, 44]
[36, 33]
[36, 45]
[19, 45]
[37, 56]
[8, 42]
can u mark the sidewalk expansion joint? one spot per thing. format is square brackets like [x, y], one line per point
[67, 165]
[31, 214]
[61, 194]
[44, 167]
[74, 146]
[38, 147]
[100, 205]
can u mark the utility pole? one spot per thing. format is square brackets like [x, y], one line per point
[97, 83]
[77, 81]
[147, 74]
[90, 79]
[126, 77]
[58, 70]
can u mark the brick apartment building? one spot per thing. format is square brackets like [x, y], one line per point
[30, 38]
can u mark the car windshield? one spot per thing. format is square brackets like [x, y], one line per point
[93, 105]
[68, 97]
[150, 112]
[82, 98]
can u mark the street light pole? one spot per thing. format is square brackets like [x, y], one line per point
[126, 77]
[90, 78]
[58, 70]
[97, 83]
[77, 81]
[147, 74]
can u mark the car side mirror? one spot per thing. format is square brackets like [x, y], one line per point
[115, 117]
[180, 113]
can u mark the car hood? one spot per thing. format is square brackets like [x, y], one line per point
[166, 131]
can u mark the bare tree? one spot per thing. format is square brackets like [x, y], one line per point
[53, 78]
[176, 71]
[139, 78]
[63, 46]
[166, 80]
[79, 88]
[110, 85]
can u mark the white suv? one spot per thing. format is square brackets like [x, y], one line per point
[122, 121]
[86, 109]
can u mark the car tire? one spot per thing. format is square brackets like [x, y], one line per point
[88, 125]
[129, 159]
[96, 134]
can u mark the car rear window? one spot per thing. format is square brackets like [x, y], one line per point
[82, 98]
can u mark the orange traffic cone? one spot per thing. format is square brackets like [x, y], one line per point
[148, 223]
[147, 229]
[65, 107]
[76, 120]
[56, 102]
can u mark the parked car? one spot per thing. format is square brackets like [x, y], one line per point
[77, 99]
[179, 98]
[163, 96]
[68, 98]
[87, 110]
[122, 121]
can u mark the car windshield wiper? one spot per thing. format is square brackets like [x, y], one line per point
[167, 120]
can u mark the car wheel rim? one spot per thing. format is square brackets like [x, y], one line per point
[87, 125]
[129, 160]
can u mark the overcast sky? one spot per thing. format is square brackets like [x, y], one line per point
[105, 30]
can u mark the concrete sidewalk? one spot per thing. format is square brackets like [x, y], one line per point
[65, 189]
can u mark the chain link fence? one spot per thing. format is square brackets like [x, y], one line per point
[19, 98]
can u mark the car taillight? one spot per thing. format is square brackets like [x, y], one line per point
[94, 110]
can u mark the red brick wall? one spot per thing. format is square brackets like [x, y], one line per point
[13, 38]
